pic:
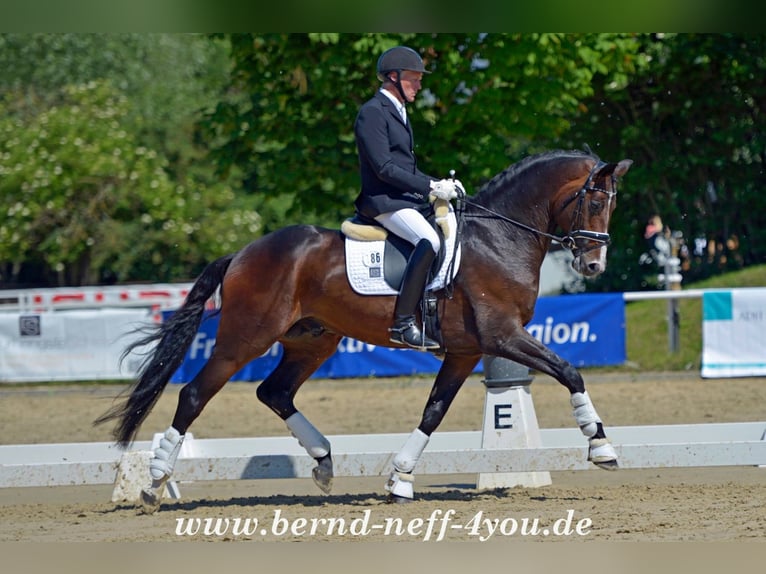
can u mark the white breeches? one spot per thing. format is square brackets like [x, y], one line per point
[409, 224]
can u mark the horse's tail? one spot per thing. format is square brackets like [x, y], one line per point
[175, 336]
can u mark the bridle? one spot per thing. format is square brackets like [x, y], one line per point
[576, 236]
[570, 241]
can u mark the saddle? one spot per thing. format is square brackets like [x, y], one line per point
[376, 259]
[365, 229]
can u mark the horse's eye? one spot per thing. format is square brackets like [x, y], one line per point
[596, 207]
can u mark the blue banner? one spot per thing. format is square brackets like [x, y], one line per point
[587, 330]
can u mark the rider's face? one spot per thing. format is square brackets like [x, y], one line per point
[411, 84]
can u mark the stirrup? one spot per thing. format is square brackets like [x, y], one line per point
[411, 336]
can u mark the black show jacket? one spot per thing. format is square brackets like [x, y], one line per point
[390, 177]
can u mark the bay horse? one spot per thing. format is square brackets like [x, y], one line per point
[290, 286]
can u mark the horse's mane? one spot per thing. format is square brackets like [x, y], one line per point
[502, 179]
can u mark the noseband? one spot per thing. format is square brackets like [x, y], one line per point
[576, 236]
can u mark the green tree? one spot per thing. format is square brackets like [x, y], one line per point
[287, 123]
[693, 121]
[101, 172]
[688, 108]
[83, 197]
[168, 78]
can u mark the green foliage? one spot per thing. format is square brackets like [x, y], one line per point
[287, 124]
[82, 195]
[99, 172]
[105, 171]
[693, 121]
[167, 78]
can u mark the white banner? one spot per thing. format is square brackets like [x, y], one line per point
[69, 345]
[734, 333]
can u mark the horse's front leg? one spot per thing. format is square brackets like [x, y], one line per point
[528, 351]
[600, 450]
[451, 376]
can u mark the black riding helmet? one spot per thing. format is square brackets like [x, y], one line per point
[397, 59]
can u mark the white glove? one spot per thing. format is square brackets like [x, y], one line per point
[444, 189]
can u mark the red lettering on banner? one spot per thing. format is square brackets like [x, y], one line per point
[68, 297]
[151, 294]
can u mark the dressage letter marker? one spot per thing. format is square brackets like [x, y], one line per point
[503, 419]
[509, 421]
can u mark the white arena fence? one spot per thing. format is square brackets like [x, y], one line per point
[664, 446]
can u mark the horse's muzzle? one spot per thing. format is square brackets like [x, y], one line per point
[591, 263]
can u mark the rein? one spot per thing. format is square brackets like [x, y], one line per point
[569, 241]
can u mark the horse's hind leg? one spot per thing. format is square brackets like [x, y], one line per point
[191, 400]
[239, 339]
[452, 374]
[307, 346]
[302, 356]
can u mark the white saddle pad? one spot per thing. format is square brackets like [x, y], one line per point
[365, 264]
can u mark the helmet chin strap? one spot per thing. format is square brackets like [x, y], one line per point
[398, 85]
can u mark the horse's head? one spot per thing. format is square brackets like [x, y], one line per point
[585, 215]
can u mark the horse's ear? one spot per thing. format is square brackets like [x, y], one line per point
[616, 169]
[623, 167]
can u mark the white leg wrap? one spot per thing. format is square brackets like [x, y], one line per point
[308, 436]
[166, 454]
[584, 413]
[601, 451]
[408, 456]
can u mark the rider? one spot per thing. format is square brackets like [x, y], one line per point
[394, 191]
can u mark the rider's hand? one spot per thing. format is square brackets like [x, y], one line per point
[444, 189]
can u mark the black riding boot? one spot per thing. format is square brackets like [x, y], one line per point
[405, 329]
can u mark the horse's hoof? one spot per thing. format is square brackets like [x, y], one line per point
[400, 487]
[150, 501]
[607, 464]
[396, 499]
[602, 454]
[322, 474]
